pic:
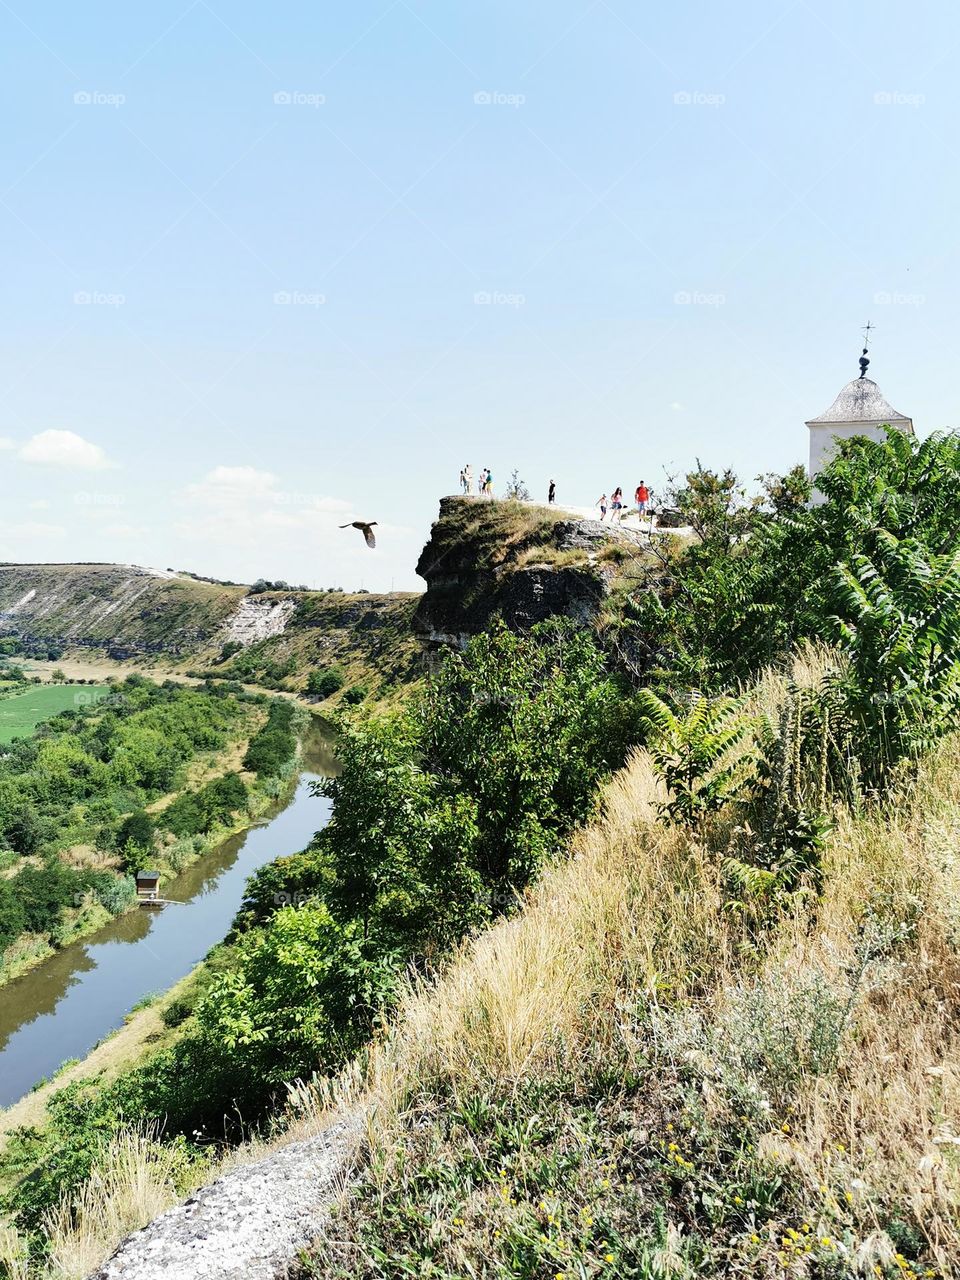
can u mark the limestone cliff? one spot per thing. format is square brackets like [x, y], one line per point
[523, 562]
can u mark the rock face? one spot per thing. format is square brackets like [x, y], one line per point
[120, 609]
[259, 618]
[251, 1223]
[524, 563]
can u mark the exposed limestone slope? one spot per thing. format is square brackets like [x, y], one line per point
[121, 609]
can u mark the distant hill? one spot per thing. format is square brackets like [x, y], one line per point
[121, 610]
[274, 638]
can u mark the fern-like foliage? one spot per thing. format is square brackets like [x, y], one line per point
[897, 617]
[705, 753]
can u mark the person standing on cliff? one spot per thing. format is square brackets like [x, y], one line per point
[602, 504]
[468, 479]
[616, 503]
[552, 492]
[642, 497]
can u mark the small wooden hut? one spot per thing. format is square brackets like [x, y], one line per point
[148, 885]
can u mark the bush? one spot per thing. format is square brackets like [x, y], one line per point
[321, 684]
[355, 694]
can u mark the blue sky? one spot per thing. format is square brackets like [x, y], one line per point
[267, 268]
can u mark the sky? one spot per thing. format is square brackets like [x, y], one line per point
[270, 268]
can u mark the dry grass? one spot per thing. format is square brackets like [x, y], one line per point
[631, 933]
[138, 1180]
[625, 955]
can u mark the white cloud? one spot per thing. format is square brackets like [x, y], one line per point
[7, 443]
[676, 406]
[39, 504]
[243, 503]
[122, 531]
[32, 529]
[64, 449]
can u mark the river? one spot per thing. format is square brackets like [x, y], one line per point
[67, 1004]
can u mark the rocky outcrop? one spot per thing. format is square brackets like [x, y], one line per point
[248, 1225]
[259, 618]
[523, 563]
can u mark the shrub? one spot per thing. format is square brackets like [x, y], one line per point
[356, 694]
[321, 684]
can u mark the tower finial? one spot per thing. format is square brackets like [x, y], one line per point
[864, 358]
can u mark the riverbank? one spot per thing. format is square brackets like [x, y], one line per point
[90, 915]
[143, 1031]
[72, 1006]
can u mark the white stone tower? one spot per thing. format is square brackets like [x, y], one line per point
[859, 410]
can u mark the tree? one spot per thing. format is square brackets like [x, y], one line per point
[321, 684]
[516, 489]
[898, 621]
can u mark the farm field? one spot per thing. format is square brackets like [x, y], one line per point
[21, 713]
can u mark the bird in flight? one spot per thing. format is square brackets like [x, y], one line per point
[365, 528]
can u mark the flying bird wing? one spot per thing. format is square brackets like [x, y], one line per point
[368, 536]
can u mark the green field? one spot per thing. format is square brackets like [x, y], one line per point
[21, 714]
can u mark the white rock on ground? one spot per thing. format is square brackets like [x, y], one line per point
[248, 1225]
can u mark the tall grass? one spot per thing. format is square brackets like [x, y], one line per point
[138, 1179]
[839, 1031]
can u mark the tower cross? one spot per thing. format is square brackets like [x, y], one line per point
[864, 358]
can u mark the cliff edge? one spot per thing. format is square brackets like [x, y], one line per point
[514, 559]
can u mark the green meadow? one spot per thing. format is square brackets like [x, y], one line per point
[21, 713]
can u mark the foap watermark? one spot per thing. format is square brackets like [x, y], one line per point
[698, 98]
[898, 98]
[696, 298]
[298, 298]
[96, 298]
[497, 298]
[893, 298]
[298, 98]
[88, 698]
[97, 98]
[497, 98]
[86, 499]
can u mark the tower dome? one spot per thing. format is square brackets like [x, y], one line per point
[859, 410]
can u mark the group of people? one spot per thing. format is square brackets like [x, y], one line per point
[484, 484]
[641, 500]
[615, 504]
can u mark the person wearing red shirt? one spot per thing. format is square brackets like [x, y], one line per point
[642, 497]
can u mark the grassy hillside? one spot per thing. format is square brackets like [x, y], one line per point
[127, 614]
[366, 638]
[645, 963]
[117, 608]
[625, 1081]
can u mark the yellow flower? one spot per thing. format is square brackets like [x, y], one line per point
[754, 1239]
[826, 1242]
[608, 1257]
[785, 1127]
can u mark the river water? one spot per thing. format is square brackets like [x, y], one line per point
[67, 1004]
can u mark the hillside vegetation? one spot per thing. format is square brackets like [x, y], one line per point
[116, 608]
[267, 635]
[639, 942]
[137, 777]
